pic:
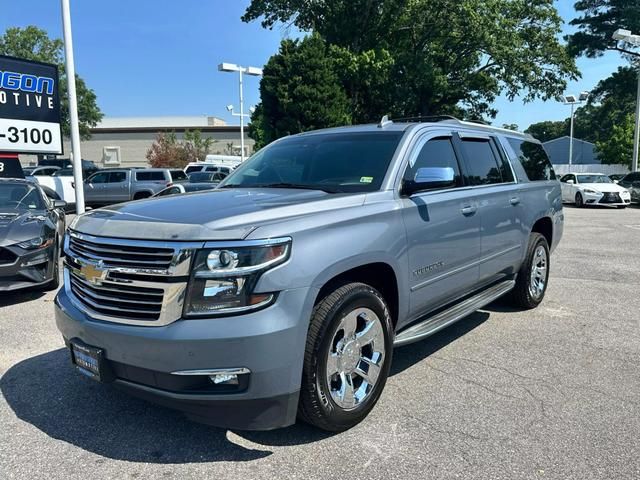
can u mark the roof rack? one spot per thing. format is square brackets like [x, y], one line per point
[427, 118]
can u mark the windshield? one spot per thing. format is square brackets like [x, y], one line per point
[594, 179]
[333, 162]
[18, 196]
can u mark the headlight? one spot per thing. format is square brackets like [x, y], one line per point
[37, 242]
[223, 279]
[590, 191]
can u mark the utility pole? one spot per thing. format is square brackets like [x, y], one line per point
[73, 107]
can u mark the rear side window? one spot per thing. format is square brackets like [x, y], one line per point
[194, 168]
[178, 175]
[117, 177]
[534, 160]
[150, 176]
[483, 165]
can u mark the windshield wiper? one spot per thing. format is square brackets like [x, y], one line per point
[285, 185]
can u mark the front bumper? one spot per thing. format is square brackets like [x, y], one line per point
[20, 268]
[269, 343]
[609, 199]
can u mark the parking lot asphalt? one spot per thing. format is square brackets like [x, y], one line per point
[551, 393]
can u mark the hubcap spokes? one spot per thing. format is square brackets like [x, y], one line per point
[355, 358]
[538, 272]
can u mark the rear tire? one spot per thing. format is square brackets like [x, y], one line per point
[347, 357]
[579, 200]
[533, 276]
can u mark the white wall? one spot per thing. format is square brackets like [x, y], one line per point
[607, 169]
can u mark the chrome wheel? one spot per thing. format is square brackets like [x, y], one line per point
[538, 272]
[355, 358]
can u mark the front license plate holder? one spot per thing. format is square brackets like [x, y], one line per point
[89, 361]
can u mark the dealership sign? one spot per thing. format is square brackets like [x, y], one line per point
[29, 107]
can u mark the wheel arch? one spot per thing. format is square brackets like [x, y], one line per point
[544, 226]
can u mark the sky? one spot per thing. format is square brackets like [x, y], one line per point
[160, 57]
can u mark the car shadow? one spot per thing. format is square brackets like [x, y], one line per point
[46, 392]
[408, 355]
[20, 296]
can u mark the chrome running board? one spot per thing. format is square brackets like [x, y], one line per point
[432, 324]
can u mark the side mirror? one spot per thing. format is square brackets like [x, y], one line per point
[428, 178]
[59, 203]
[570, 182]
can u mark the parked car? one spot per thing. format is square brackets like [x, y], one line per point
[616, 177]
[88, 167]
[179, 188]
[593, 189]
[635, 192]
[207, 177]
[196, 167]
[31, 233]
[281, 293]
[118, 185]
[628, 179]
[40, 171]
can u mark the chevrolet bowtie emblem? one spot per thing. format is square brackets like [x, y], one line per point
[93, 273]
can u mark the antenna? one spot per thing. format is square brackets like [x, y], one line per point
[384, 122]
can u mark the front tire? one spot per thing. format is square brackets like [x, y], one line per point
[533, 276]
[579, 200]
[54, 283]
[347, 357]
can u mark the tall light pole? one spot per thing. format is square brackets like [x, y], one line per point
[573, 101]
[73, 106]
[622, 35]
[254, 71]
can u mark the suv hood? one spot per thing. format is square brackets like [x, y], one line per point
[224, 214]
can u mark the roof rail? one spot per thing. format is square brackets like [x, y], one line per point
[427, 118]
[384, 121]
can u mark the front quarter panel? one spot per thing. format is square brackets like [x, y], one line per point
[325, 245]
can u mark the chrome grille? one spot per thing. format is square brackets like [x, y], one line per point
[136, 282]
[121, 255]
[114, 299]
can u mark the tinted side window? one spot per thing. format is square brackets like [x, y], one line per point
[99, 178]
[117, 177]
[534, 159]
[437, 152]
[483, 166]
[178, 175]
[149, 176]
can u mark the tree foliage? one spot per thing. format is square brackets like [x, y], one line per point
[33, 43]
[618, 146]
[424, 57]
[169, 152]
[299, 91]
[597, 22]
[548, 130]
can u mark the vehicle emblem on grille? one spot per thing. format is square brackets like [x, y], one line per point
[93, 273]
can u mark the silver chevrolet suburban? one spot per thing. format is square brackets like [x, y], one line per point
[282, 293]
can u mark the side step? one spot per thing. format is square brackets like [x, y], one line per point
[431, 325]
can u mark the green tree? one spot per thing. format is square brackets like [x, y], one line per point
[433, 56]
[597, 22]
[548, 130]
[33, 43]
[299, 91]
[618, 146]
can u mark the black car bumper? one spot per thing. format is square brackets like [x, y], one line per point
[20, 268]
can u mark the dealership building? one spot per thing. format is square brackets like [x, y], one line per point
[124, 141]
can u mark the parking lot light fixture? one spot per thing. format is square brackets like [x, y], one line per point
[573, 100]
[622, 35]
[253, 71]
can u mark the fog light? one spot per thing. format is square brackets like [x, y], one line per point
[224, 379]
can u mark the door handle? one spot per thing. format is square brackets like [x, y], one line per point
[514, 200]
[468, 210]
